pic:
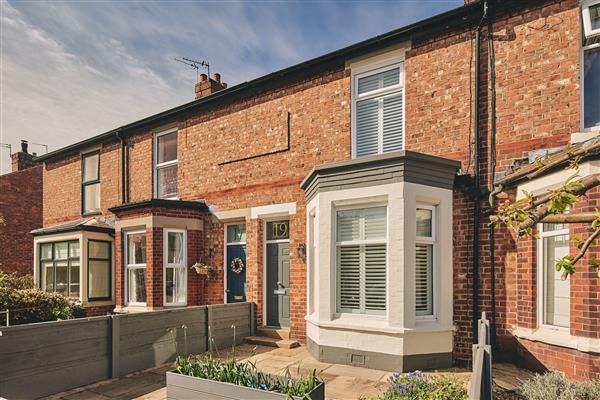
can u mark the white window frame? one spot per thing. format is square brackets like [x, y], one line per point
[158, 166]
[362, 313]
[227, 244]
[588, 33]
[587, 20]
[541, 277]
[432, 240]
[371, 69]
[166, 265]
[133, 266]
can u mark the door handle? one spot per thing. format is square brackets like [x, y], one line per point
[279, 284]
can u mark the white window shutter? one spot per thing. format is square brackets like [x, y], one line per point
[362, 267]
[375, 271]
[392, 123]
[424, 279]
[367, 127]
[349, 285]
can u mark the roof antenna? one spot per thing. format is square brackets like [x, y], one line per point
[195, 65]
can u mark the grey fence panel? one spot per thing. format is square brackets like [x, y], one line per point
[150, 339]
[40, 359]
[222, 317]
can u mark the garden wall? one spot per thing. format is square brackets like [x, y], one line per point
[41, 359]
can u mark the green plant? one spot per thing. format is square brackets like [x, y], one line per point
[554, 386]
[418, 386]
[27, 304]
[245, 374]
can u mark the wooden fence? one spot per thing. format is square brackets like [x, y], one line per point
[41, 359]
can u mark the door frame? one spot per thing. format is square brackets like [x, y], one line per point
[265, 242]
[225, 244]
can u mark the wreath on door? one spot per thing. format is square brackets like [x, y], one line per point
[237, 265]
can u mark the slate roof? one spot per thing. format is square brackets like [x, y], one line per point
[552, 159]
[93, 224]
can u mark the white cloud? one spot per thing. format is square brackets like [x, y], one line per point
[71, 70]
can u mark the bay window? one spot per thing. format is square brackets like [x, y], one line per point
[175, 267]
[99, 270]
[424, 260]
[591, 64]
[165, 164]
[361, 241]
[60, 268]
[554, 294]
[135, 253]
[378, 110]
[90, 183]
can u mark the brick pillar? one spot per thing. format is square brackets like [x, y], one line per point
[254, 266]
[297, 274]
[154, 268]
[195, 253]
[526, 283]
[119, 270]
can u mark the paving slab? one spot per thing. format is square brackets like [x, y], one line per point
[343, 382]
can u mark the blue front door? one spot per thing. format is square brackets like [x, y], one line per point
[236, 273]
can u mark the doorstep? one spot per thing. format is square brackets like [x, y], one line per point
[273, 337]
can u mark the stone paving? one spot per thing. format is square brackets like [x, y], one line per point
[341, 381]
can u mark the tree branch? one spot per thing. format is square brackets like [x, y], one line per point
[569, 218]
[543, 210]
[582, 251]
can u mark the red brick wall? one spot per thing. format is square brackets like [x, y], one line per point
[21, 208]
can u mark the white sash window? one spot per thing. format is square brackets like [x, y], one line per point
[424, 260]
[165, 164]
[554, 294]
[378, 110]
[175, 267]
[361, 242]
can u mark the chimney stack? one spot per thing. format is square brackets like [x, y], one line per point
[207, 86]
[22, 159]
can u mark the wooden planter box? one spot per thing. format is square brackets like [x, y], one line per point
[184, 387]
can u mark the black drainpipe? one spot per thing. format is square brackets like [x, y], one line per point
[492, 177]
[477, 177]
[124, 163]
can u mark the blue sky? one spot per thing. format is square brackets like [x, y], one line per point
[73, 69]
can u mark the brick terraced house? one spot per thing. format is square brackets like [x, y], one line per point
[346, 196]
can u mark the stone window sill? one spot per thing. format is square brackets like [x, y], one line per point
[368, 323]
[559, 337]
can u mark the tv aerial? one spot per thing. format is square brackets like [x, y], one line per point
[195, 65]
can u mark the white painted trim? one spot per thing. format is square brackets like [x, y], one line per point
[156, 165]
[587, 20]
[174, 266]
[126, 264]
[560, 338]
[264, 259]
[588, 33]
[273, 211]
